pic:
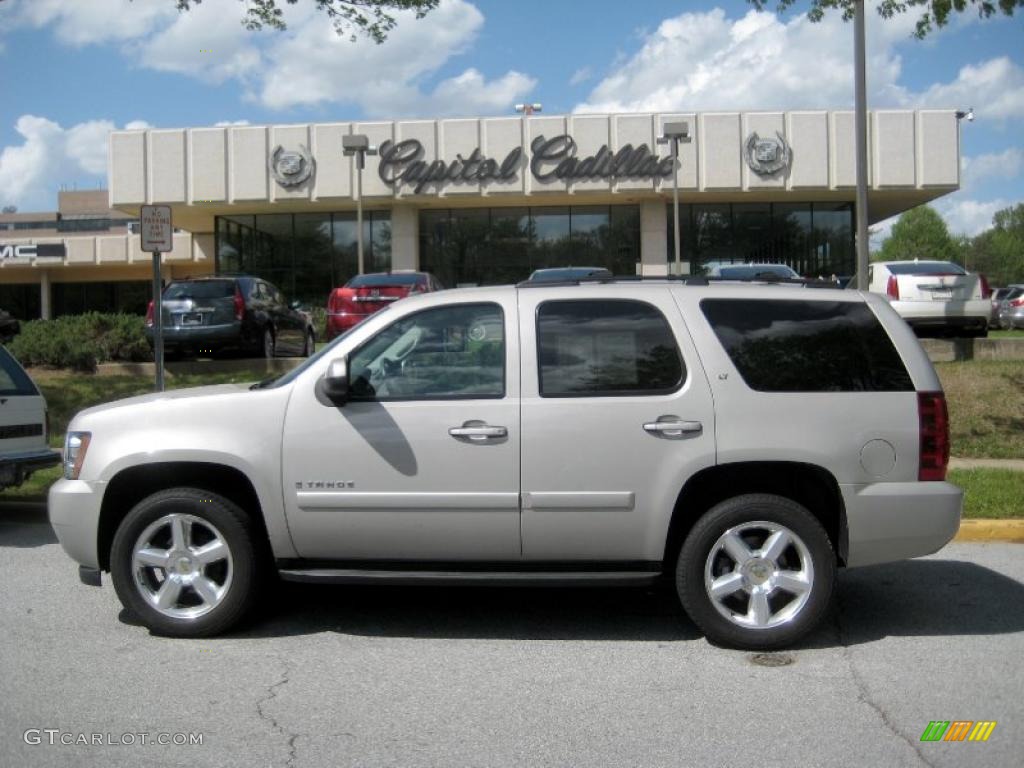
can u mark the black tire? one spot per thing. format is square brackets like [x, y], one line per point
[235, 529]
[697, 549]
[309, 344]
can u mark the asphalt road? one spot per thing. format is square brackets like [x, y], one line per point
[489, 677]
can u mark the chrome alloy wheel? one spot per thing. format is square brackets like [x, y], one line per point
[759, 575]
[182, 566]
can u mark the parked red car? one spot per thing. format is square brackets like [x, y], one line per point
[365, 294]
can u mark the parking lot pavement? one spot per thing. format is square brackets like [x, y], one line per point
[492, 677]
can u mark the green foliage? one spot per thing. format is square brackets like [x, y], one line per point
[920, 233]
[372, 18]
[81, 341]
[998, 253]
[933, 13]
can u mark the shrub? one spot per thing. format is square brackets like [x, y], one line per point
[82, 341]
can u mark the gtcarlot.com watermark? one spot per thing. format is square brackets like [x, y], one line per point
[56, 737]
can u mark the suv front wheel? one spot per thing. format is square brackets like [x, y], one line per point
[185, 562]
[756, 572]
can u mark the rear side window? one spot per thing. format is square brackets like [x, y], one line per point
[201, 289]
[807, 346]
[13, 379]
[606, 348]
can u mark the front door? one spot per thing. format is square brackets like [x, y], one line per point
[617, 414]
[423, 462]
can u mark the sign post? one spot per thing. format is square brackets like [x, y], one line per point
[157, 238]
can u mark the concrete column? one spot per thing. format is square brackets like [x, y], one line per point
[44, 295]
[405, 237]
[653, 238]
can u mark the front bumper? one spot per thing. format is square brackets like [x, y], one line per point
[896, 521]
[15, 467]
[74, 509]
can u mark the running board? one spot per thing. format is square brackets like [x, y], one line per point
[464, 578]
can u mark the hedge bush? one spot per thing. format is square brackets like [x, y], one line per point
[82, 341]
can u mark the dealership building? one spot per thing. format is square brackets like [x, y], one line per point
[487, 200]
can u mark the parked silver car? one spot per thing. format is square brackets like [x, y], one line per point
[24, 425]
[1011, 308]
[934, 295]
[607, 433]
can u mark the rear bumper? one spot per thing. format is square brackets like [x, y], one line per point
[74, 510]
[896, 521]
[15, 467]
[339, 322]
[228, 334]
[959, 314]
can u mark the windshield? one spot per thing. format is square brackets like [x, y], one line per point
[364, 281]
[201, 289]
[926, 268]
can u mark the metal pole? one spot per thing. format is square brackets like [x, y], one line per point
[675, 202]
[359, 208]
[861, 130]
[158, 322]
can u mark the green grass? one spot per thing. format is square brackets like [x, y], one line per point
[35, 488]
[991, 493]
[986, 407]
[1014, 334]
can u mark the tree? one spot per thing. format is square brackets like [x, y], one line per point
[920, 233]
[999, 252]
[934, 13]
[372, 18]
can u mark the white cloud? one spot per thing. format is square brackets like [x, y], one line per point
[96, 21]
[1007, 164]
[31, 172]
[581, 75]
[309, 64]
[965, 216]
[706, 61]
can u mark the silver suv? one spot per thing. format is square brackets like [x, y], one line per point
[743, 440]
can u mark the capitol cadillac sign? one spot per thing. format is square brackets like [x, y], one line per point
[555, 158]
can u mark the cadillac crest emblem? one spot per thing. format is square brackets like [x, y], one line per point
[291, 168]
[767, 156]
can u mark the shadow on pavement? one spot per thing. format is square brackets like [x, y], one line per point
[25, 524]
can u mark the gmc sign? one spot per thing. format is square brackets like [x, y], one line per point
[29, 251]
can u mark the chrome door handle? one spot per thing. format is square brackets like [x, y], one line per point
[673, 428]
[478, 433]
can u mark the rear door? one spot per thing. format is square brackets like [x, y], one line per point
[935, 281]
[199, 303]
[616, 414]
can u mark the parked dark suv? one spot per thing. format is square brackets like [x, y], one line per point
[215, 314]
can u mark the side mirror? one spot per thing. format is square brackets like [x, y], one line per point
[334, 384]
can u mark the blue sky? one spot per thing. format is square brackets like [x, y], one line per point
[71, 70]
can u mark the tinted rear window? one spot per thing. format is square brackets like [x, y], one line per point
[755, 271]
[364, 281]
[13, 379]
[201, 289]
[605, 348]
[926, 268]
[807, 346]
[1014, 293]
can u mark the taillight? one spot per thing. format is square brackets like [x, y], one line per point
[239, 304]
[986, 290]
[892, 287]
[149, 314]
[933, 419]
[1017, 302]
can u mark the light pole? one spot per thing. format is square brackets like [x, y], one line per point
[968, 115]
[861, 132]
[673, 133]
[358, 144]
[529, 109]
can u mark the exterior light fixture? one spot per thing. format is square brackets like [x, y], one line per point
[672, 134]
[529, 109]
[358, 145]
[968, 114]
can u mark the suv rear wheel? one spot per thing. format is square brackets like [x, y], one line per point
[184, 561]
[756, 572]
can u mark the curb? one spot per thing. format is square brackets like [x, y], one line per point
[1011, 530]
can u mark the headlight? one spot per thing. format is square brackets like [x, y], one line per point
[75, 446]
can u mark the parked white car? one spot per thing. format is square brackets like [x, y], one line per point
[934, 295]
[23, 425]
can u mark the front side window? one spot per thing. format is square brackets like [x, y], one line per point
[452, 352]
[606, 348]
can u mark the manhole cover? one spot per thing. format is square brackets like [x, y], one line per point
[772, 659]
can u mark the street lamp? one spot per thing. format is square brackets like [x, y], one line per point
[358, 144]
[861, 141]
[529, 109]
[673, 133]
[968, 114]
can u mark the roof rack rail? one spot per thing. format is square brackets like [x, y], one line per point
[694, 280]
